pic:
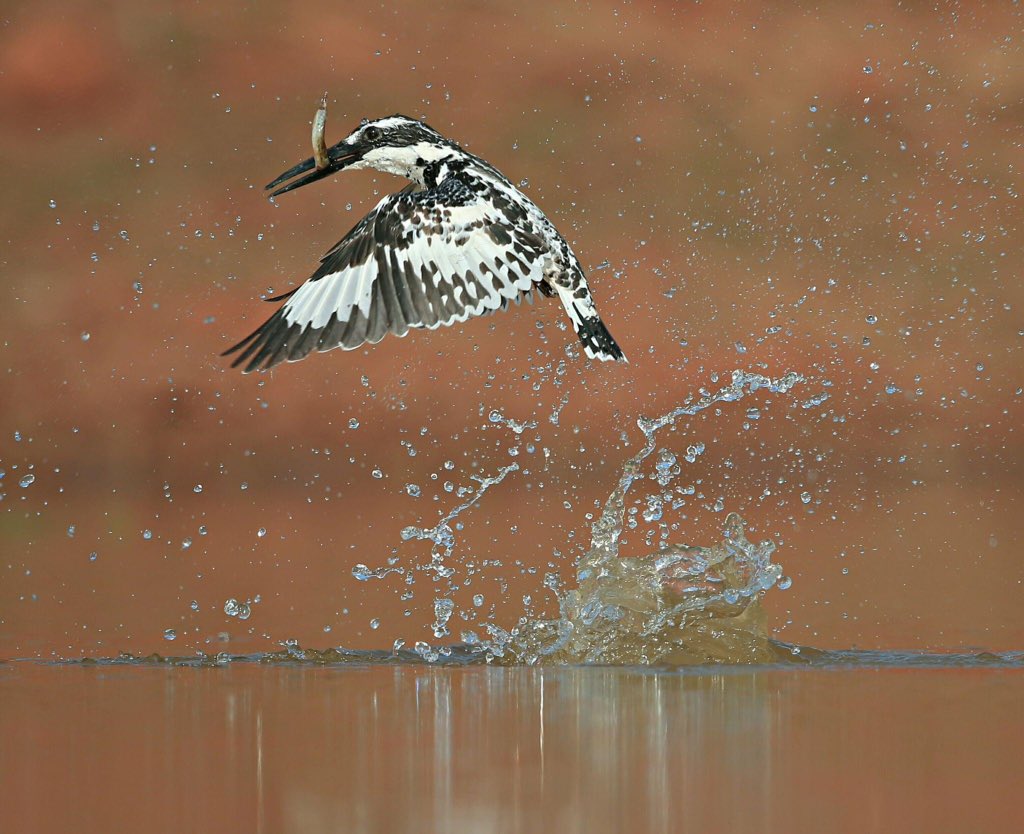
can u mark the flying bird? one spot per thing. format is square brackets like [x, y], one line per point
[459, 241]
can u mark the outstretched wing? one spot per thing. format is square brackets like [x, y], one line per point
[419, 259]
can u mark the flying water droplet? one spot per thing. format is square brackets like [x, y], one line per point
[234, 608]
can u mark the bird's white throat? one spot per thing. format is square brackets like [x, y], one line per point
[409, 161]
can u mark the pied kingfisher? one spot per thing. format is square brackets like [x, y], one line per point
[460, 241]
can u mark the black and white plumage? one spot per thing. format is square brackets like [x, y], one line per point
[460, 241]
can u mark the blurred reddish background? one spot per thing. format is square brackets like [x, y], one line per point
[832, 192]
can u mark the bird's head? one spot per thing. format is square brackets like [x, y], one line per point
[395, 144]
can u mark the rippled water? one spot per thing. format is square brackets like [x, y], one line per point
[774, 654]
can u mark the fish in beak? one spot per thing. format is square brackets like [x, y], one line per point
[324, 162]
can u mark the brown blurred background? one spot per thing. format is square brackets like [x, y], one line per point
[830, 191]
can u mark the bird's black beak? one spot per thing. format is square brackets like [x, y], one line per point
[339, 157]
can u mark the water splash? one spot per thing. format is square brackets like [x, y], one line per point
[442, 536]
[680, 605]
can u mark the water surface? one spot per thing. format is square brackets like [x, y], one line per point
[268, 747]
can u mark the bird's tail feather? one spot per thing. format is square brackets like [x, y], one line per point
[598, 343]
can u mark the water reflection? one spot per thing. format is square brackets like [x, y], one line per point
[494, 749]
[267, 749]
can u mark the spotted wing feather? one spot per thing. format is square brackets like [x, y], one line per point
[419, 259]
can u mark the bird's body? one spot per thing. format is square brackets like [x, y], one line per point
[460, 241]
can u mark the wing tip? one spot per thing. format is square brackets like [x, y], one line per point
[263, 348]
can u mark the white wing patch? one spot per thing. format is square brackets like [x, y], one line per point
[416, 261]
[315, 302]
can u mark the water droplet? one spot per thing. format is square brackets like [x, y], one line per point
[197, 488]
[805, 497]
[85, 336]
[194, 605]
[234, 608]
[868, 69]
[123, 234]
[784, 583]
[377, 474]
[872, 319]
[137, 286]
[71, 531]
[443, 609]
[374, 623]
[412, 490]
[261, 532]
[27, 481]
[170, 634]
[353, 423]
[147, 534]
[53, 204]
[478, 600]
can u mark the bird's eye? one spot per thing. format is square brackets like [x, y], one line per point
[371, 134]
